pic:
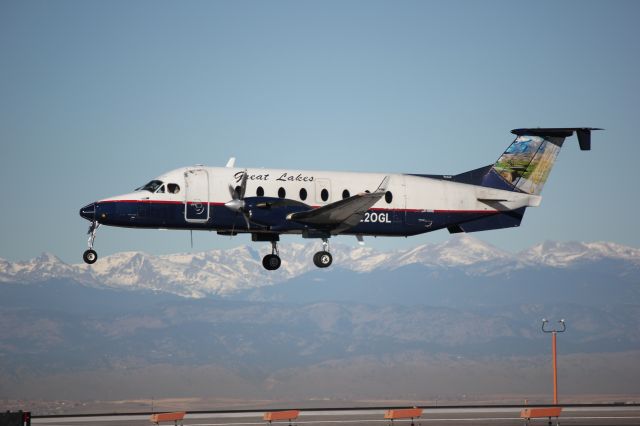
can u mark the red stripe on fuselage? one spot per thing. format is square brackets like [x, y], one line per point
[467, 211]
[156, 202]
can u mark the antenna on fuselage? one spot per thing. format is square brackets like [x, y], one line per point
[191, 232]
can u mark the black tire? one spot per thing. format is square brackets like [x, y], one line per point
[322, 259]
[271, 262]
[90, 256]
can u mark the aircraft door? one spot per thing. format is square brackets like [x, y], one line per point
[196, 204]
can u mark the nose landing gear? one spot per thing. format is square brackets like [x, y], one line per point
[90, 256]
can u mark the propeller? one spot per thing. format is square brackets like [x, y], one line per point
[237, 203]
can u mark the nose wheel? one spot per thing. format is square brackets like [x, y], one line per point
[323, 259]
[272, 261]
[90, 256]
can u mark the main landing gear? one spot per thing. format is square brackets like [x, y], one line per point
[272, 261]
[90, 256]
[321, 259]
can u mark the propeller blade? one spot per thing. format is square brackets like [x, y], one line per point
[237, 203]
[232, 192]
[243, 184]
[237, 193]
[246, 219]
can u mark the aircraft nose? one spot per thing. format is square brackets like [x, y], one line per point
[89, 212]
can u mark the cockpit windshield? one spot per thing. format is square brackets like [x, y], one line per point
[151, 186]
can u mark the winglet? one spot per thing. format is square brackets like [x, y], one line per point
[231, 162]
[384, 184]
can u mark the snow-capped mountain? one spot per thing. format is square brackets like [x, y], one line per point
[459, 250]
[563, 254]
[224, 272]
[44, 267]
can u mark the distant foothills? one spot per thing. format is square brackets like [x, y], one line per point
[455, 320]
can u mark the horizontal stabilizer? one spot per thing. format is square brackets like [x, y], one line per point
[584, 134]
[507, 219]
[506, 200]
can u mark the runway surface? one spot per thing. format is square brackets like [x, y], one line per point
[583, 416]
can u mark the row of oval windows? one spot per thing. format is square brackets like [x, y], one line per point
[324, 194]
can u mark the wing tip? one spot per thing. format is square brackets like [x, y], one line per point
[384, 184]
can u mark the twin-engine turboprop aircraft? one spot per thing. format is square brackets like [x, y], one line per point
[318, 204]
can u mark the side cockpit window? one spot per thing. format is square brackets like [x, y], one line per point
[173, 188]
[151, 186]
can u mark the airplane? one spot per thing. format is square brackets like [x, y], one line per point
[267, 203]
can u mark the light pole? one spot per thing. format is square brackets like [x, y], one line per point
[554, 332]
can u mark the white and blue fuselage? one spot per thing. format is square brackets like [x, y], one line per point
[410, 205]
[319, 204]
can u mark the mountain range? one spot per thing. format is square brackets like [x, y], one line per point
[239, 270]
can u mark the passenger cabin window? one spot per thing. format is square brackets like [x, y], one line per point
[324, 194]
[260, 192]
[282, 193]
[303, 194]
[151, 186]
[173, 188]
[388, 197]
[345, 194]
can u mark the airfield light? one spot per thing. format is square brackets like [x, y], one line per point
[554, 333]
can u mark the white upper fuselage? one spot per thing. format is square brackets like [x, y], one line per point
[408, 192]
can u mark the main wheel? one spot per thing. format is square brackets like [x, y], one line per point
[90, 256]
[322, 259]
[271, 262]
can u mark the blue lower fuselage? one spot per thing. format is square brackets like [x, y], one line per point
[216, 217]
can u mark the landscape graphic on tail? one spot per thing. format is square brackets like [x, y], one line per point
[268, 203]
[527, 162]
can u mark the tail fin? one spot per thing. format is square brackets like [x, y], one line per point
[526, 164]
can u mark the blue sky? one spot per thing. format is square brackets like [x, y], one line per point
[96, 98]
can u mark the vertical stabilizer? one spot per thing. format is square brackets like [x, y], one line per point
[527, 162]
[525, 166]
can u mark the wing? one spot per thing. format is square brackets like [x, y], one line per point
[343, 214]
